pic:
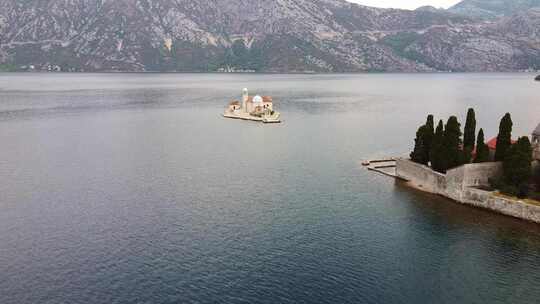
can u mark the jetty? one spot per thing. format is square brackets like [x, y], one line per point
[254, 108]
[383, 166]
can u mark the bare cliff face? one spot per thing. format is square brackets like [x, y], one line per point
[259, 35]
[491, 9]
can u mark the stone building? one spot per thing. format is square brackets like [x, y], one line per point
[255, 108]
[251, 104]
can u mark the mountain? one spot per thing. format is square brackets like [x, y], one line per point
[257, 35]
[430, 8]
[491, 9]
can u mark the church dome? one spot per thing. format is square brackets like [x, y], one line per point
[257, 99]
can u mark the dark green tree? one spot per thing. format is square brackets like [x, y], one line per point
[419, 154]
[469, 132]
[504, 138]
[256, 58]
[537, 178]
[452, 143]
[240, 52]
[517, 165]
[465, 155]
[469, 135]
[428, 136]
[482, 150]
[437, 153]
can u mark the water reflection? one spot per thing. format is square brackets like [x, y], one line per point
[132, 188]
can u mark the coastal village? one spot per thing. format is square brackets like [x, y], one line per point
[254, 108]
[501, 175]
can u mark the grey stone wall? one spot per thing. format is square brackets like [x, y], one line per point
[451, 184]
[470, 175]
[457, 185]
[420, 176]
[488, 200]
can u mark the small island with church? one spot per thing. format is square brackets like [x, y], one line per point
[255, 108]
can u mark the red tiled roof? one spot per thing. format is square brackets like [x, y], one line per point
[492, 143]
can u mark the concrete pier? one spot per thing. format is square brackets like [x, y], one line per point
[383, 166]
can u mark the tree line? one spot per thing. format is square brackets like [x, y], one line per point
[445, 147]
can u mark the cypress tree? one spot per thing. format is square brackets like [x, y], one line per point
[420, 152]
[452, 143]
[504, 138]
[437, 149]
[482, 150]
[469, 134]
[428, 136]
[470, 129]
[465, 155]
[517, 165]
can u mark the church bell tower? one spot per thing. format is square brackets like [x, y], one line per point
[245, 95]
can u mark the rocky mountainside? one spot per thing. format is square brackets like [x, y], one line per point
[257, 35]
[491, 9]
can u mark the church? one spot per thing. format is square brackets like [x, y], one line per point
[256, 108]
[253, 105]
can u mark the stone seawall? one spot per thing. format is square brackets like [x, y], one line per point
[457, 184]
[421, 176]
[470, 175]
[488, 200]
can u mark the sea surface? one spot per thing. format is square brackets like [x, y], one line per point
[131, 188]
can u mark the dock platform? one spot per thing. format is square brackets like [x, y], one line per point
[382, 166]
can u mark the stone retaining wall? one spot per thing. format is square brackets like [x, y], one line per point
[421, 176]
[511, 207]
[457, 185]
[470, 175]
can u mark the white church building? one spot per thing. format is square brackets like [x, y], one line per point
[257, 108]
[252, 104]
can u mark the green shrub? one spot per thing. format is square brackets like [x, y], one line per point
[509, 190]
[523, 191]
[495, 183]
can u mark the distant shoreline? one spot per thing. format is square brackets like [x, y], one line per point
[268, 73]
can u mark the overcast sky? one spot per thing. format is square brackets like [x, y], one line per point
[406, 4]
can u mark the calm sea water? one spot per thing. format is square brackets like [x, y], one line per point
[130, 188]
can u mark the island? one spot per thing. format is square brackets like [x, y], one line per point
[502, 174]
[255, 108]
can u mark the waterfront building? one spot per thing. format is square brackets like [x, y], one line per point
[257, 108]
[255, 104]
[252, 104]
